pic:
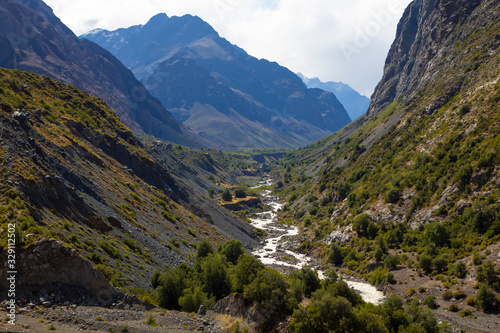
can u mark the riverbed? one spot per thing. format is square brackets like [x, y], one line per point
[277, 249]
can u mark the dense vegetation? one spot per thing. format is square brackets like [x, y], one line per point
[333, 304]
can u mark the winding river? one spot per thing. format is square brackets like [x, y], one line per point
[277, 248]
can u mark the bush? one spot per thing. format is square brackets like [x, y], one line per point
[204, 248]
[430, 301]
[214, 277]
[459, 294]
[111, 250]
[393, 196]
[471, 301]
[425, 262]
[391, 261]
[245, 271]
[226, 195]
[467, 313]
[232, 250]
[486, 298]
[239, 193]
[310, 278]
[447, 295]
[460, 270]
[151, 320]
[454, 308]
[270, 289]
[192, 299]
[171, 286]
[336, 256]
[486, 273]
[411, 292]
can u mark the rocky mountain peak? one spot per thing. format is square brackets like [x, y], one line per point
[425, 35]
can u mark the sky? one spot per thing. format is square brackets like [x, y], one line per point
[334, 40]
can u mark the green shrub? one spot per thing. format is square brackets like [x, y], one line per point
[239, 192]
[151, 320]
[460, 270]
[336, 255]
[447, 295]
[110, 249]
[204, 248]
[411, 292]
[486, 298]
[467, 313]
[471, 301]
[459, 294]
[232, 250]
[226, 195]
[430, 301]
[454, 308]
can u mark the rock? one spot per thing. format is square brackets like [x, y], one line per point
[202, 311]
[461, 206]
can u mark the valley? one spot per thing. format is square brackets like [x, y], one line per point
[194, 187]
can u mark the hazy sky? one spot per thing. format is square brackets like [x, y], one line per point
[334, 40]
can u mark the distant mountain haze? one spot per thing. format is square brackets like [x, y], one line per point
[354, 103]
[217, 89]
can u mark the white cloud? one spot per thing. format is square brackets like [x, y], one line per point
[332, 39]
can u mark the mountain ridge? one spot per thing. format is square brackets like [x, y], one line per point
[355, 104]
[34, 39]
[279, 109]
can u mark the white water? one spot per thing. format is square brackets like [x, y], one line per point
[281, 234]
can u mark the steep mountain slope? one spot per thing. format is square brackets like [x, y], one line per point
[217, 89]
[414, 184]
[72, 171]
[35, 40]
[354, 103]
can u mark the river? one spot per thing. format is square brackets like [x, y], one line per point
[277, 249]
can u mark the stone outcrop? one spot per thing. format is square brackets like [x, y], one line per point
[425, 36]
[49, 262]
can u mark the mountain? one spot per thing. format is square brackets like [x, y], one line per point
[33, 39]
[217, 89]
[354, 103]
[75, 177]
[407, 195]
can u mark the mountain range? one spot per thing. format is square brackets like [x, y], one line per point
[354, 103]
[406, 196]
[217, 89]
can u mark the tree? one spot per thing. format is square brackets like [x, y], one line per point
[232, 249]
[485, 297]
[391, 261]
[310, 278]
[245, 271]
[214, 277]
[425, 262]
[226, 195]
[270, 289]
[336, 256]
[171, 285]
[326, 313]
[204, 248]
[486, 273]
[192, 298]
[239, 193]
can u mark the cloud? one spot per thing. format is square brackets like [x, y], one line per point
[334, 40]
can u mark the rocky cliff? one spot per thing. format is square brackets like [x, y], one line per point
[33, 39]
[429, 38]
